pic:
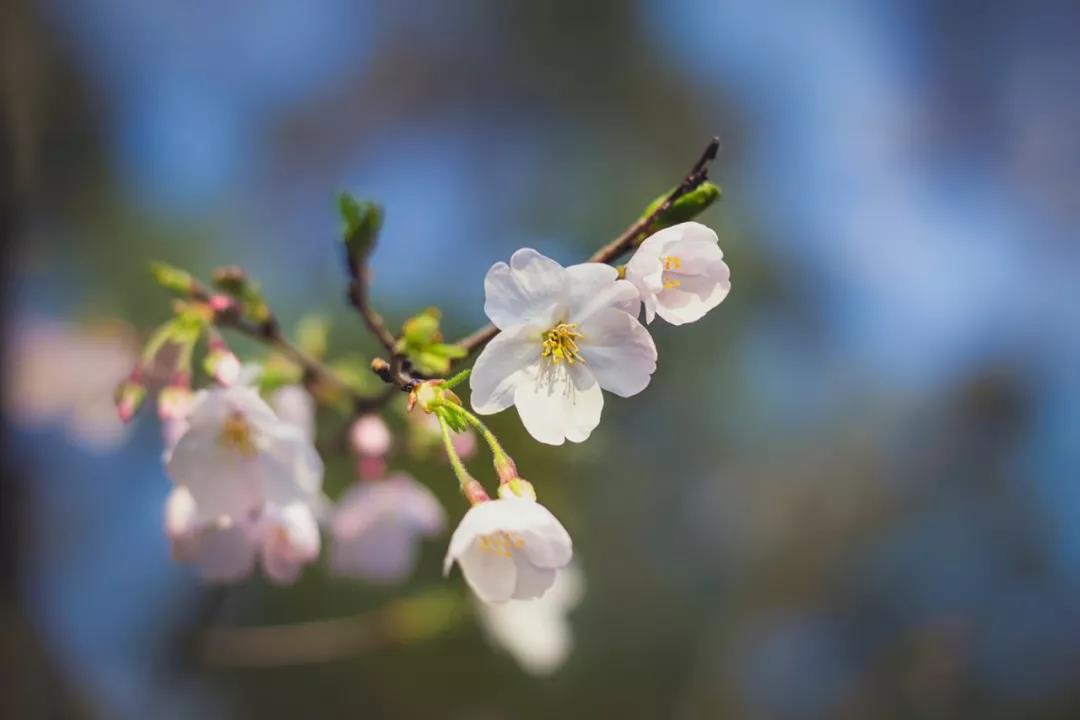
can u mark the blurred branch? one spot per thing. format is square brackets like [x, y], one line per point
[269, 333]
[419, 617]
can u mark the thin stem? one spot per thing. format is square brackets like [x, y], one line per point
[489, 437]
[269, 333]
[463, 476]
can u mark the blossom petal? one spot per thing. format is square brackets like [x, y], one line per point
[500, 366]
[593, 286]
[619, 351]
[695, 296]
[491, 575]
[221, 482]
[524, 291]
[290, 540]
[559, 402]
[225, 554]
[532, 581]
[384, 552]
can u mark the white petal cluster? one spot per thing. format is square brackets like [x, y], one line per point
[510, 548]
[247, 486]
[537, 633]
[566, 333]
[680, 273]
[377, 525]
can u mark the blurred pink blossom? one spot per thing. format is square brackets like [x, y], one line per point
[377, 525]
[57, 372]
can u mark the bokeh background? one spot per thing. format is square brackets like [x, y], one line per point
[852, 491]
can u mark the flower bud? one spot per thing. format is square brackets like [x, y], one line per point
[474, 492]
[369, 436]
[430, 394]
[505, 468]
[518, 487]
[174, 400]
[172, 278]
[221, 364]
[130, 396]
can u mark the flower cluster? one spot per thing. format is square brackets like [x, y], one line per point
[241, 453]
[566, 334]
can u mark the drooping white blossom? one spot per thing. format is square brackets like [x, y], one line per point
[377, 525]
[509, 548]
[537, 633]
[680, 273]
[237, 455]
[565, 334]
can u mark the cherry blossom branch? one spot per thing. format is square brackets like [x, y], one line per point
[629, 239]
[269, 333]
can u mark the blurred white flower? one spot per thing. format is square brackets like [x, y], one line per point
[225, 549]
[295, 406]
[509, 548]
[377, 525]
[680, 273]
[565, 334]
[537, 633]
[56, 372]
[289, 539]
[237, 455]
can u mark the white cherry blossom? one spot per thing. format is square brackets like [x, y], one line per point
[537, 633]
[377, 526]
[680, 273]
[510, 548]
[237, 455]
[565, 334]
[226, 549]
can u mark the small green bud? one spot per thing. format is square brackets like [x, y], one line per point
[235, 282]
[362, 221]
[686, 208]
[172, 278]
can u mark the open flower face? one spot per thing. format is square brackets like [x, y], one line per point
[511, 548]
[680, 272]
[377, 525]
[566, 333]
[237, 455]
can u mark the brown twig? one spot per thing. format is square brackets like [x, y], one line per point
[629, 238]
[268, 332]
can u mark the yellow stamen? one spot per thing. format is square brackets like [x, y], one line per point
[670, 283]
[236, 434]
[502, 543]
[560, 343]
[672, 262]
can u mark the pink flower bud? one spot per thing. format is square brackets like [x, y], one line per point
[221, 303]
[223, 366]
[174, 400]
[130, 396]
[369, 436]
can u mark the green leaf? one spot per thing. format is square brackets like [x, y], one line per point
[362, 221]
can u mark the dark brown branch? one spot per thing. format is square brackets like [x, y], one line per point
[629, 239]
[268, 332]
